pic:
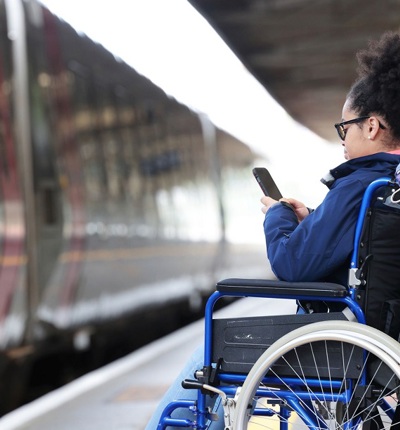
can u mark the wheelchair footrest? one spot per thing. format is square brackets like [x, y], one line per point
[238, 343]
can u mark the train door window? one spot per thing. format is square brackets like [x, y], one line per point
[43, 151]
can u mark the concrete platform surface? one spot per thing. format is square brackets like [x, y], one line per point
[124, 394]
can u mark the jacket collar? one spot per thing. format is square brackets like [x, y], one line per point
[351, 166]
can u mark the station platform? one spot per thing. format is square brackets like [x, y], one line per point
[124, 394]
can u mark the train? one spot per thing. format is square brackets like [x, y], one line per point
[113, 213]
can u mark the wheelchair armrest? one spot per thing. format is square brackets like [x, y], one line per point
[283, 289]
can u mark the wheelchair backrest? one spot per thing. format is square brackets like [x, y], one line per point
[379, 261]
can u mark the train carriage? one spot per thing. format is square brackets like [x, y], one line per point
[112, 204]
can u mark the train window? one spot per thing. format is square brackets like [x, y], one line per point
[49, 205]
[88, 135]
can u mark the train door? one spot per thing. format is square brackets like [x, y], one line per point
[46, 183]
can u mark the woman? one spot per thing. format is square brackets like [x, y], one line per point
[315, 245]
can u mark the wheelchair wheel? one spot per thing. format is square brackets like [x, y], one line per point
[331, 374]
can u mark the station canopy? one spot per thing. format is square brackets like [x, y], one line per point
[302, 51]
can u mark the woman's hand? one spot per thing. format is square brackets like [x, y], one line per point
[267, 203]
[300, 209]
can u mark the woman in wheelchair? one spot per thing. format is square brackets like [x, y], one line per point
[305, 245]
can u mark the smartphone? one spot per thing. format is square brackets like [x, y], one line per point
[266, 183]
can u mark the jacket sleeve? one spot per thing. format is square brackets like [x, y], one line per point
[322, 243]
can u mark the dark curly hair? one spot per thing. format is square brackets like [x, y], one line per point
[377, 89]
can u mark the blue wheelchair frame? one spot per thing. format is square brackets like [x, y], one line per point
[327, 292]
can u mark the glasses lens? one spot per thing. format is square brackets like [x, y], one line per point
[342, 132]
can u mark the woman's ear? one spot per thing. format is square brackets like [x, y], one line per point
[373, 127]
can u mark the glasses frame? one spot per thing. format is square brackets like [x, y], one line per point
[341, 131]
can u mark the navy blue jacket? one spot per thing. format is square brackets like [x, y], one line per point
[319, 248]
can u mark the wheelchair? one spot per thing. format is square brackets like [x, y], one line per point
[321, 370]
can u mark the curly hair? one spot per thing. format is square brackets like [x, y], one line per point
[377, 89]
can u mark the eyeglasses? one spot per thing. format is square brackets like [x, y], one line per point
[343, 131]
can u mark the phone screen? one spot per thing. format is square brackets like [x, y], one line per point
[266, 183]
